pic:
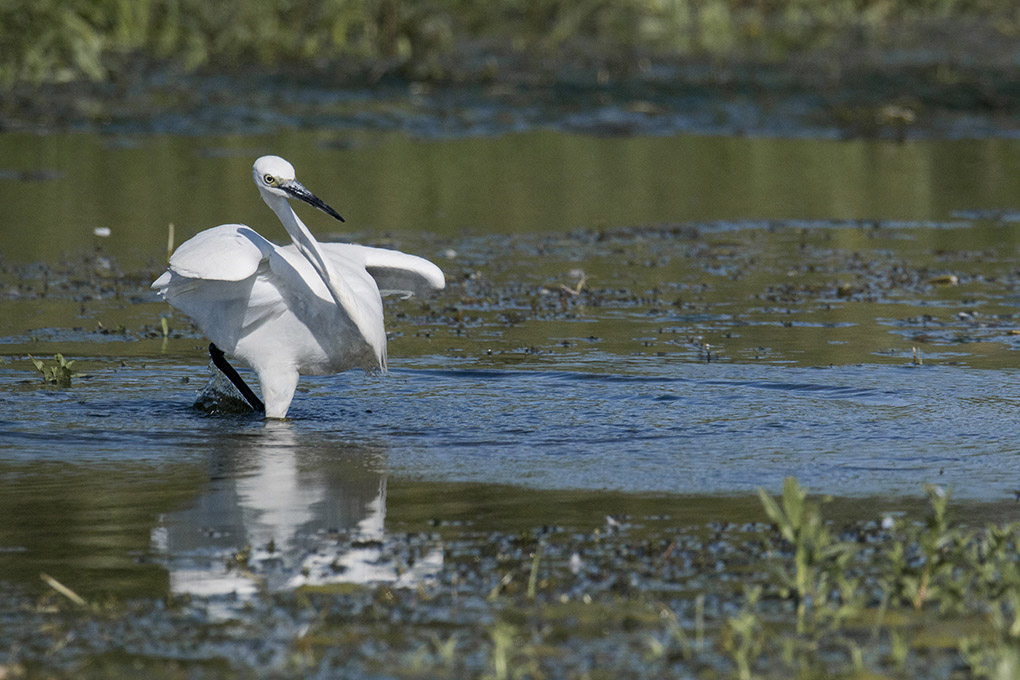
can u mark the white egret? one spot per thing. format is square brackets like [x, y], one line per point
[308, 308]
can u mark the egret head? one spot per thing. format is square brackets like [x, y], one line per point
[275, 178]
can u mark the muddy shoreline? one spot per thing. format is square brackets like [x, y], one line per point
[625, 596]
[904, 93]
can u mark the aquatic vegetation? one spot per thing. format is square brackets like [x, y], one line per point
[743, 635]
[962, 576]
[934, 546]
[816, 555]
[59, 373]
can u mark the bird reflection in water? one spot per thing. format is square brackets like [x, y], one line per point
[284, 509]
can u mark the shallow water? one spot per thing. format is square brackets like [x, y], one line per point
[58, 188]
[672, 319]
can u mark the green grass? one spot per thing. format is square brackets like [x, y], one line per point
[69, 40]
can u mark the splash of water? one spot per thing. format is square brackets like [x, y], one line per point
[219, 395]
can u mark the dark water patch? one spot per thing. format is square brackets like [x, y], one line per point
[29, 175]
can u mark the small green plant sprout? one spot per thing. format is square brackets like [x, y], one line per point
[511, 657]
[742, 636]
[935, 543]
[673, 641]
[59, 374]
[816, 556]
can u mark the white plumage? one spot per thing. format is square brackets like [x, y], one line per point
[307, 308]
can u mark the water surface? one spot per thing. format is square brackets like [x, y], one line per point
[58, 188]
[654, 321]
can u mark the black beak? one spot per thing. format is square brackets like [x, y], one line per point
[294, 189]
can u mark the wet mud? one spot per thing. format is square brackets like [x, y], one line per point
[627, 595]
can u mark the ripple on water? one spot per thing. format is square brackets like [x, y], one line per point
[663, 427]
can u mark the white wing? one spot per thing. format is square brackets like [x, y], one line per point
[394, 272]
[229, 252]
[254, 300]
[212, 277]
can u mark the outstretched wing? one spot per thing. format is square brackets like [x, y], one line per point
[395, 273]
[229, 252]
[212, 278]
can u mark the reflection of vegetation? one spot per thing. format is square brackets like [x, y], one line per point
[59, 40]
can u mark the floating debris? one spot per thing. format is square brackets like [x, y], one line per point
[944, 280]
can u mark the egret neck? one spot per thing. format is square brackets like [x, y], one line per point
[309, 247]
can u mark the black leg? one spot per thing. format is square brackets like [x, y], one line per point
[221, 363]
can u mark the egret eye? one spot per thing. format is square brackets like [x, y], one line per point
[269, 179]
